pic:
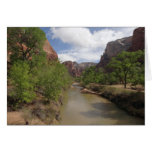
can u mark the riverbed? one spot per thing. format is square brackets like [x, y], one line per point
[90, 109]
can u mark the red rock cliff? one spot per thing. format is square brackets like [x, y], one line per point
[51, 54]
[76, 69]
[72, 68]
[133, 43]
[138, 39]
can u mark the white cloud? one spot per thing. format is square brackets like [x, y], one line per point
[80, 55]
[66, 57]
[87, 46]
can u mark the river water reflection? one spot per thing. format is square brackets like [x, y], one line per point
[90, 109]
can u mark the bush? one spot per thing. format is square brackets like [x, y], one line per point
[30, 71]
[52, 79]
[93, 75]
[23, 88]
[129, 67]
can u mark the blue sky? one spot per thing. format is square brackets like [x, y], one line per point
[83, 44]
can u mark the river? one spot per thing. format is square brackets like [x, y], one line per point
[90, 109]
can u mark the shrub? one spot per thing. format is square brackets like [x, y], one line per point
[23, 88]
[52, 79]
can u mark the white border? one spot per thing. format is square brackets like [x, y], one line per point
[75, 138]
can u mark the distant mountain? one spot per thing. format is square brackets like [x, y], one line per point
[113, 48]
[133, 43]
[76, 69]
[85, 65]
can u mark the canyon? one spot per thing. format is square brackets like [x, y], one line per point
[132, 43]
[80, 107]
[75, 69]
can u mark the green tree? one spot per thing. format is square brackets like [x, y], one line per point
[24, 42]
[23, 89]
[53, 78]
[88, 76]
[93, 75]
[137, 75]
[124, 64]
[30, 71]
[111, 78]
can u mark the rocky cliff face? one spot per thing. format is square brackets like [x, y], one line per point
[85, 65]
[133, 43]
[76, 69]
[72, 68]
[138, 39]
[51, 54]
[113, 48]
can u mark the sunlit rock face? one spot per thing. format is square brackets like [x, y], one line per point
[133, 43]
[51, 54]
[113, 48]
[76, 69]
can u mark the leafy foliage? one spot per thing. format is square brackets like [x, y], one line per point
[92, 75]
[23, 88]
[24, 42]
[30, 71]
[127, 67]
[52, 79]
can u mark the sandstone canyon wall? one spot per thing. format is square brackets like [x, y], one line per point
[113, 48]
[133, 43]
[138, 39]
[76, 69]
[51, 54]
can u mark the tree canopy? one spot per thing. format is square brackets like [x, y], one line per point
[126, 64]
[30, 71]
[24, 42]
[126, 67]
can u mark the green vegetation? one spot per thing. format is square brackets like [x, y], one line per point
[126, 67]
[21, 80]
[92, 75]
[52, 79]
[31, 74]
[25, 42]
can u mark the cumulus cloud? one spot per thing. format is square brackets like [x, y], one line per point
[80, 55]
[66, 57]
[87, 45]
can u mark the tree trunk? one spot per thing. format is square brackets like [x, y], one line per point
[125, 82]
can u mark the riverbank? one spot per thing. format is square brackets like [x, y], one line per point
[91, 109]
[38, 112]
[132, 101]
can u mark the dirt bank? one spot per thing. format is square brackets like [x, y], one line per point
[38, 112]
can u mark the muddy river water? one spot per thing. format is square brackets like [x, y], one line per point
[90, 109]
